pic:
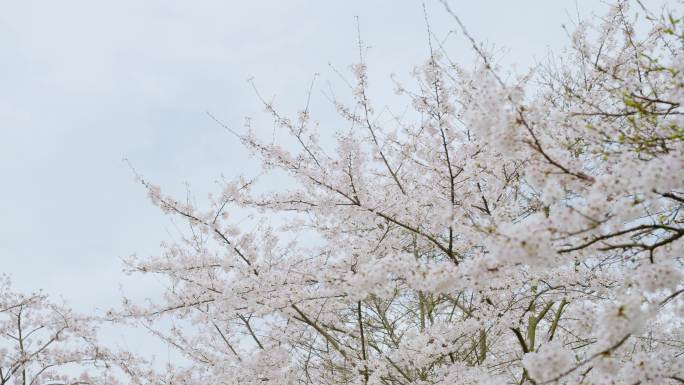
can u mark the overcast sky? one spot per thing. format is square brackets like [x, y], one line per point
[84, 84]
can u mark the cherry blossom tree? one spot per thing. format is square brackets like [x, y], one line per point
[510, 230]
[42, 342]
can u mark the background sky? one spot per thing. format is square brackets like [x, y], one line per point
[86, 83]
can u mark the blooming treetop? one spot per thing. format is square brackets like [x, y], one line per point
[513, 231]
[42, 342]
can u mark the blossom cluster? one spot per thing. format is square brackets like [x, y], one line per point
[506, 232]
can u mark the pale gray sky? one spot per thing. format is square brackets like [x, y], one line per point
[85, 83]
